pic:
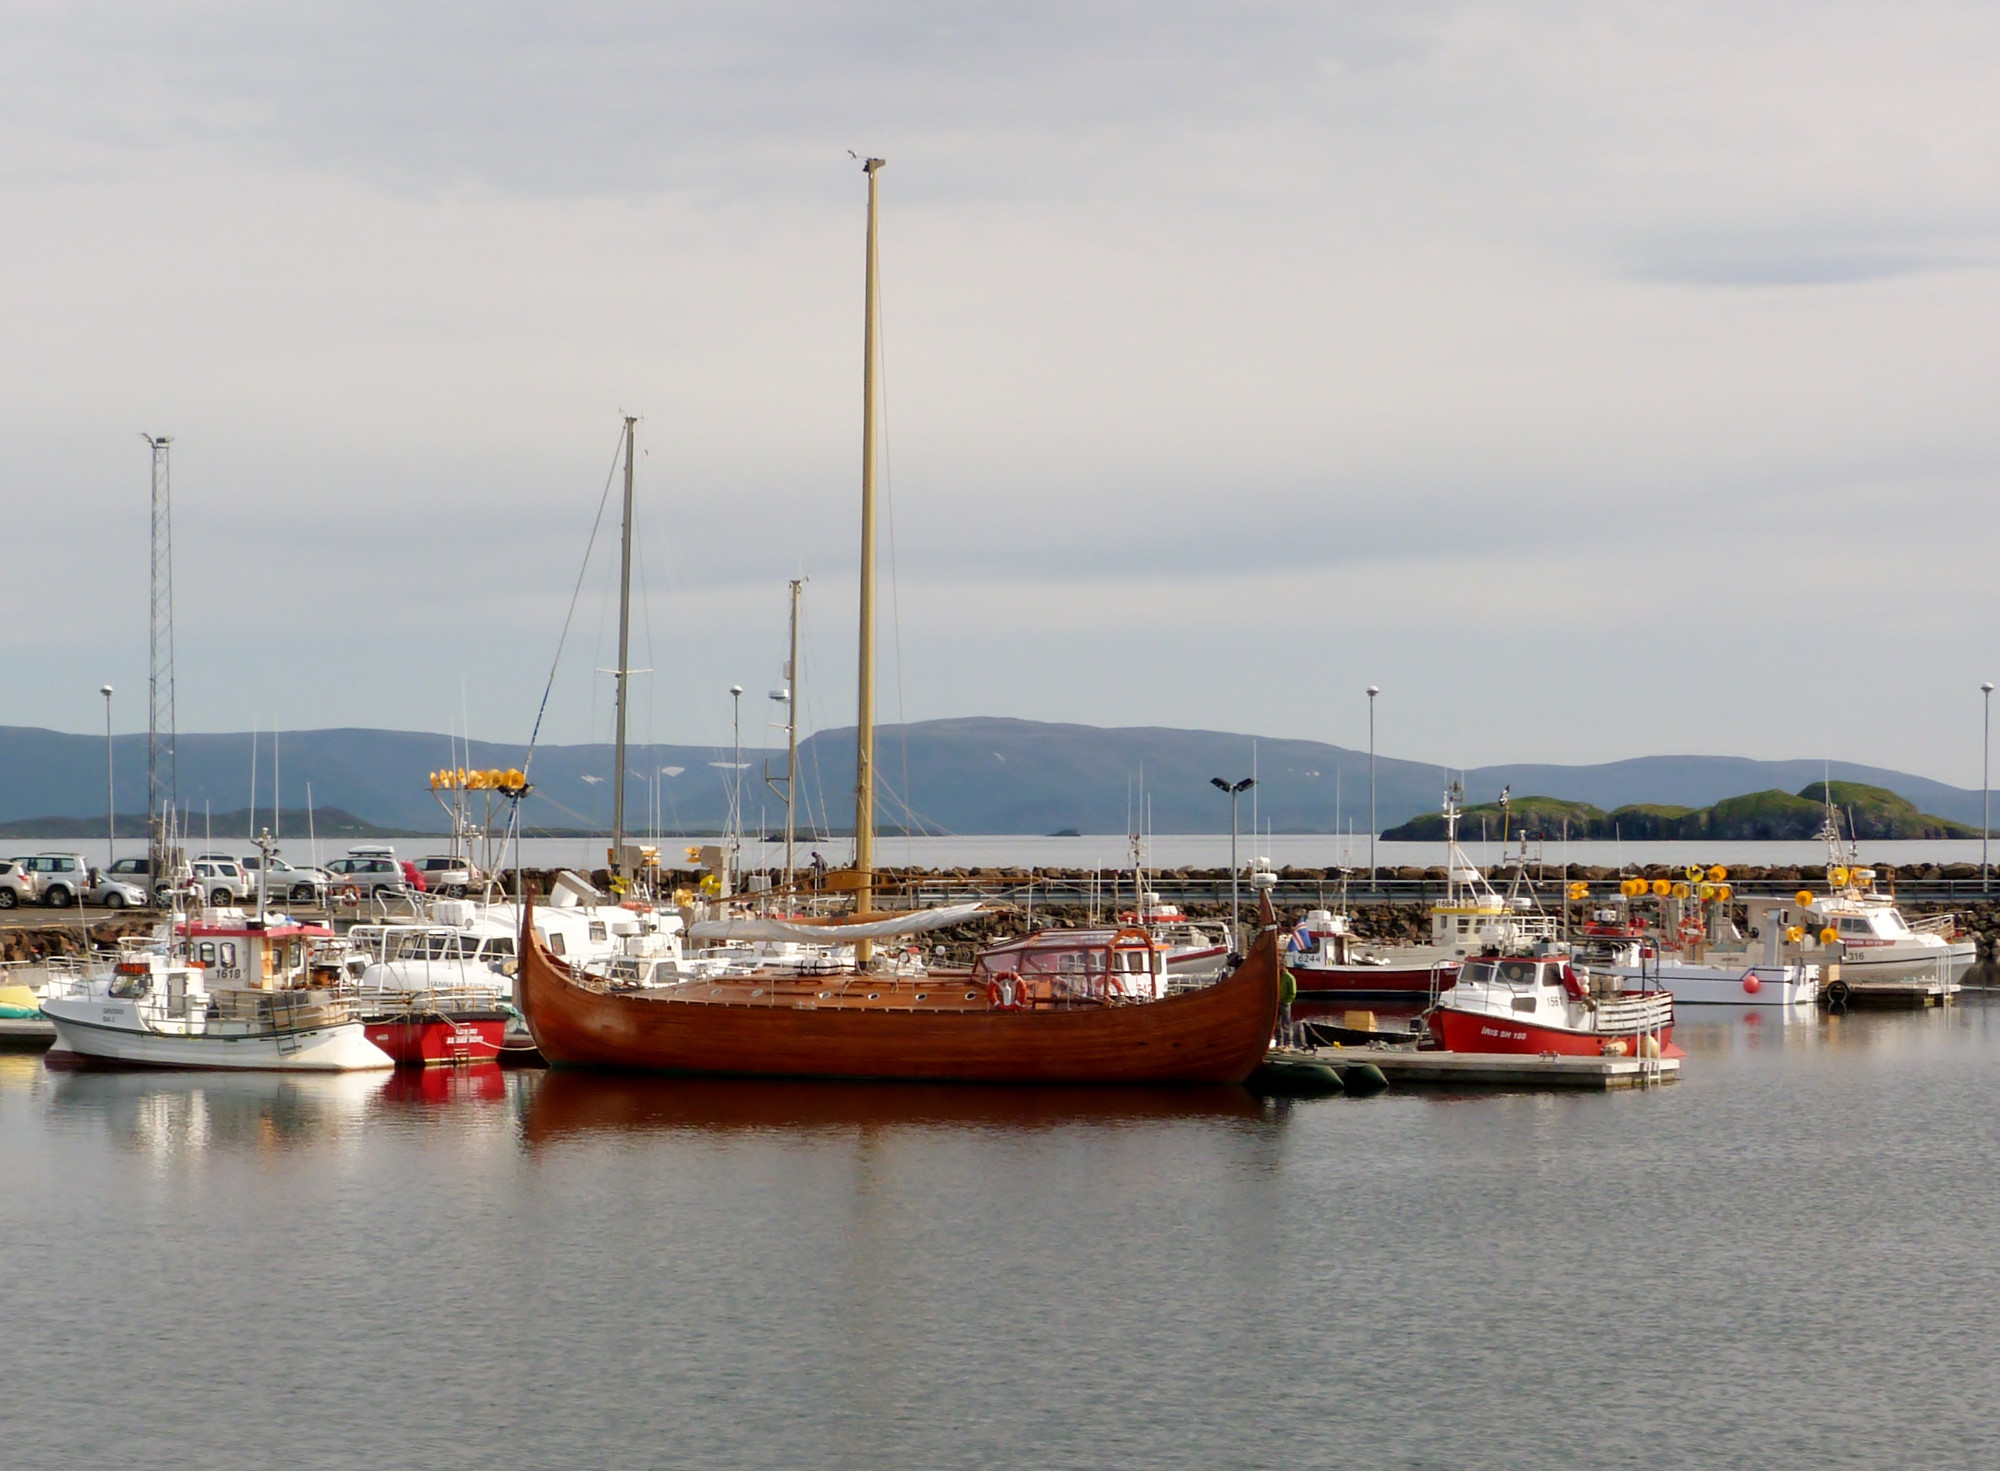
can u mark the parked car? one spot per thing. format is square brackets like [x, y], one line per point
[139, 871]
[115, 893]
[17, 883]
[60, 878]
[299, 885]
[443, 874]
[360, 874]
[221, 880]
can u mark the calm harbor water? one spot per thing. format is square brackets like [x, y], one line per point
[1788, 1259]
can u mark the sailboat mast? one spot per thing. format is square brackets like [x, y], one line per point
[864, 732]
[624, 670]
[792, 735]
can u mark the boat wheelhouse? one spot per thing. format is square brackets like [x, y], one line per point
[1074, 967]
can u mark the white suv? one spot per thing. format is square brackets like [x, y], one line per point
[221, 880]
[60, 878]
[450, 876]
[366, 873]
[17, 883]
[284, 882]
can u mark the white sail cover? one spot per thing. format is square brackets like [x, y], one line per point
[832, 932]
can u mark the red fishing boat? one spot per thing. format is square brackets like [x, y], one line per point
[423, 1036]
[1537, 1005]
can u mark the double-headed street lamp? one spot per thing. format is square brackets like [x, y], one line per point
[1986, 786]
[1373, 691]
[111, 791]
[1235, 790]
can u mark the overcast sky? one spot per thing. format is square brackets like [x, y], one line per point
[1599, 379]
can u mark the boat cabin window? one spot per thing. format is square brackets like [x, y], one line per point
[556, 944]
[597, 931]
[205, 952]
[1505, 972]
[1851, 926]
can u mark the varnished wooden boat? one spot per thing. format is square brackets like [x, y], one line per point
[939, 1028]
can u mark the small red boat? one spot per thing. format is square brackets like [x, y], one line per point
[423, 1038]
[1536, 1005]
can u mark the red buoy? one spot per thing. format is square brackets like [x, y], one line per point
[1752, 985]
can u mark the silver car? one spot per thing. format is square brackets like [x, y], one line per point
[115, 893]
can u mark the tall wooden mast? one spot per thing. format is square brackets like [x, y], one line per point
[864, 731]
[623, 673]
[792, 736]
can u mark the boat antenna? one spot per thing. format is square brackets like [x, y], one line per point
[864, 731]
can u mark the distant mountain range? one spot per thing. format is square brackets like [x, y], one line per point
[973, 775]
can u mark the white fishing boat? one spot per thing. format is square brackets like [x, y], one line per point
[1773, 978]
[218, 991]
[1876, 941]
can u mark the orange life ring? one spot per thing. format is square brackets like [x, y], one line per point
[347, 895]
[1691, 932]
[1005, 991]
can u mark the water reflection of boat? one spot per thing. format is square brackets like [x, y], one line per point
[169, 1112]
[479, 1082]
[575, 1104]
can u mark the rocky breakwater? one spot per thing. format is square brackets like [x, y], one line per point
[23, 943]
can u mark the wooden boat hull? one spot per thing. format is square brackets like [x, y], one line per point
[1216, 1034]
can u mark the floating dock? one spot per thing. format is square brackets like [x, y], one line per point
[26, 1034]
[1907, 992]
[1495, 1069]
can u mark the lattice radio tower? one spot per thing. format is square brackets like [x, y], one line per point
[162, 768]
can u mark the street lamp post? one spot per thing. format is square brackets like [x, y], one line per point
[110, 788]
[735, 782]
[1373, 691]
[1986, 787]
[1235, 790]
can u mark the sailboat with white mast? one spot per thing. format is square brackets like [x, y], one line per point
[1082, 1016]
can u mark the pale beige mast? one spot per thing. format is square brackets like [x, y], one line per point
[623, 673]
[864, 731]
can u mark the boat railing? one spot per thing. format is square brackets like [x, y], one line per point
[1935, 924]
[1648, 1011]
[282, 1011]
[377, 1002]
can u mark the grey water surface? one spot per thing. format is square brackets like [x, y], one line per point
[1787, 1259]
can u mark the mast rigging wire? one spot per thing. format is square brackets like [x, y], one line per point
[604, 500]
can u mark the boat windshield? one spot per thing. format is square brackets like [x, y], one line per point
[1075, 961]
[1502, 972]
